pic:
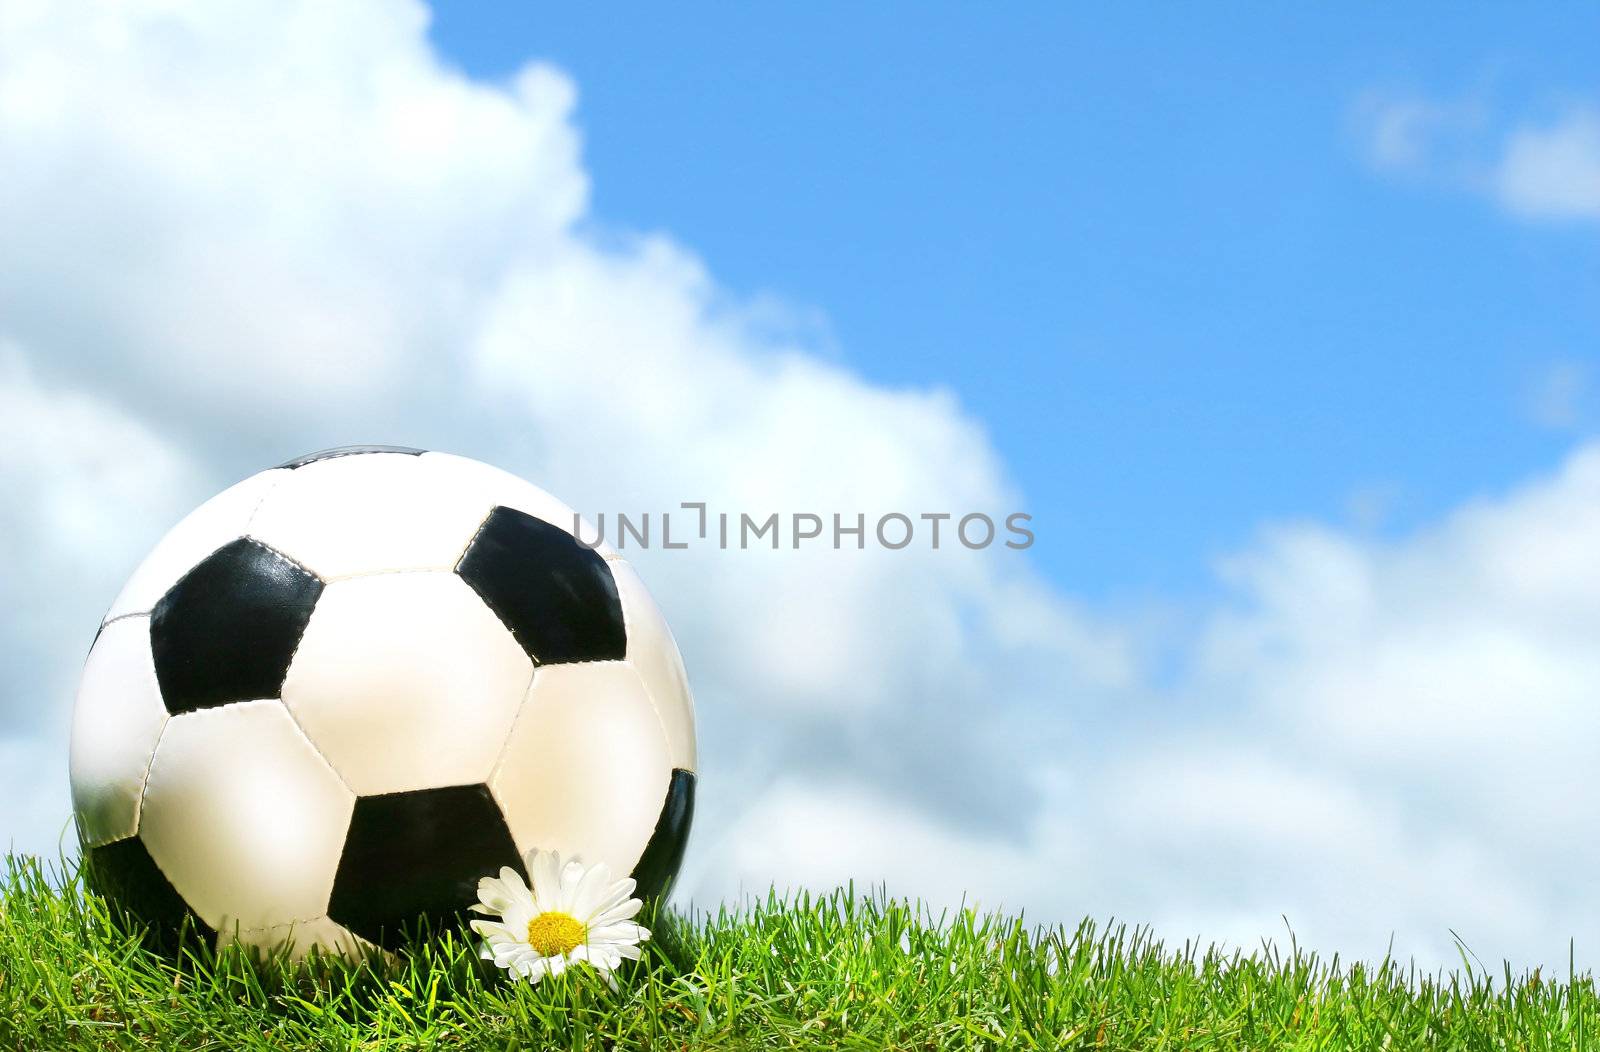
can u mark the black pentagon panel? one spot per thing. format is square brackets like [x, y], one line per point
[125, 874]
[227, 630]
[658, 866]
[417, 857]
[348, 451]
[557, 596]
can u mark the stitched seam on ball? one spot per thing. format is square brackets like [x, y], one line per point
[237, 931]
[256, 510]
[151, 612]
[244, 532]
[627, 659]
[295, 722]
[309, 741]
[666, 736]
[499, 615]
[304, 631]
[187, 905]
[293, 653]
[294, 719]
[482, 525]
[505, 746]
[455, 566]
[144, 779]
[388, 573]
[263, 929]
[583, 661]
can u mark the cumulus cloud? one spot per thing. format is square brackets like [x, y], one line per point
[66, 457]
[1375, 739]
[1416, 137]
[1553, 170]
[265, 220]
[1535, 170]
[1447, 685]
[1410, 135]
[259, 229]
[237, 232]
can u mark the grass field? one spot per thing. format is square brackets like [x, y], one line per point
[837, 971]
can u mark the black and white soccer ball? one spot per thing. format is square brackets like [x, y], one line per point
[342, 691]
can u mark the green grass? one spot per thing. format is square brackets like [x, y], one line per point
[836, 971]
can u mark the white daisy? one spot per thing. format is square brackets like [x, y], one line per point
[572, 913]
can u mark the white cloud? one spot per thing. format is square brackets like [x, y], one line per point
[1553, 171]
[293, 210]
[783, 836]
[235, 233]
[1373, 738]
[1548, 170]
[1401, 133]
[273, 229]
[1446, 688]
[83, 480]
[1411, 136]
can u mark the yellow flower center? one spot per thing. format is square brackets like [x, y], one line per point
[554, 932]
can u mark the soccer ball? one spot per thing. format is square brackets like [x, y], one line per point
[342, 691]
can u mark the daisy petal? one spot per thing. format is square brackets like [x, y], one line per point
[497, 895]
[511, 953]
[619, 893]
[622, 931]
[624, 911]
[493, 931]
[571, 874]
[593, 887]
[492, 896]
[518, 916]
[513, 882]
[545, 867]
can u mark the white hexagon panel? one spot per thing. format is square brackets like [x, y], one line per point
[406, 681]
[300, 939]
[653, 653]
[116, 723]
[342, 516]
[586, 765]
[244, 817]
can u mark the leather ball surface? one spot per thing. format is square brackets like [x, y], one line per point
[343, 690]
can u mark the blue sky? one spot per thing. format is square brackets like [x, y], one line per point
[1147, 248]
